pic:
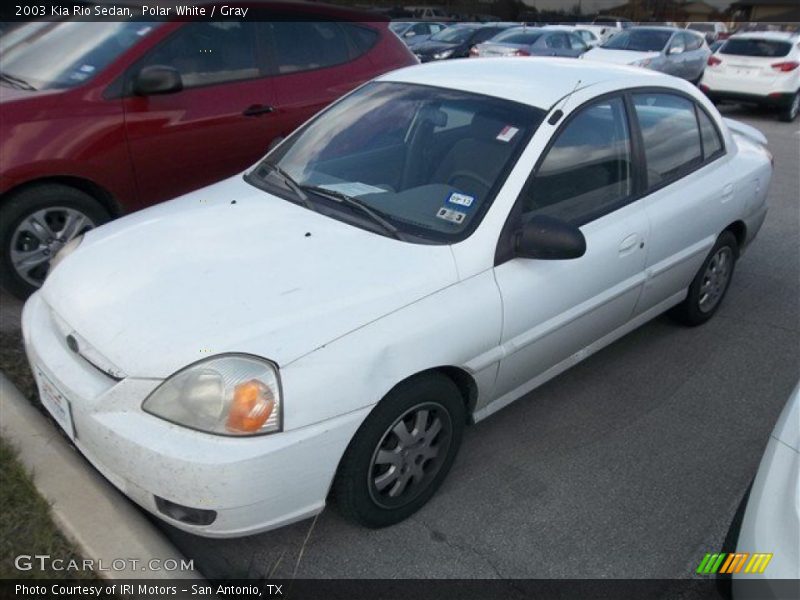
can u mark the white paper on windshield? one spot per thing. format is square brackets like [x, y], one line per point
[353, 188]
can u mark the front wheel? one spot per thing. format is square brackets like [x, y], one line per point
[710, 285]
[401, 453]
[789, 113]
[35, 223]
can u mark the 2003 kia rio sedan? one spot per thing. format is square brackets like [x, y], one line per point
[433, 246]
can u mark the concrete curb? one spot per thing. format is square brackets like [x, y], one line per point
[88, 509]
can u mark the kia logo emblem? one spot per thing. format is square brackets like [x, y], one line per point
[72, 343]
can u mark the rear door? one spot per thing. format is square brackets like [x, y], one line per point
[689, 191]
[553, 309]
[218, 125]
[313, 64]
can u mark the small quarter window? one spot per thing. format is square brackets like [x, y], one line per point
[712, 144]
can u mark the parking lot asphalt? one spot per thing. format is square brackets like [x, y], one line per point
[630, 465]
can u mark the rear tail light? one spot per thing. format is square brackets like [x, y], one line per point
[713, 61]
[473, 51]
[521, 53]
[785, 67]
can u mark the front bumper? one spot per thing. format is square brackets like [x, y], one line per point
[253, 484]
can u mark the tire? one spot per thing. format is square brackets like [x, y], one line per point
[61, 212]
[709, 286]
[364, 483]
[789, 112]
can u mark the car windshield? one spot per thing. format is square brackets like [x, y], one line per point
[704, 27]
[65, 54]
[639, 40]
[756, 47]
[399, 27]
[453, 35]
[426, 160]
[517, 36]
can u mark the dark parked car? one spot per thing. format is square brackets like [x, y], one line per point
[457, 41]
[416, 32]
[532, 41]
[102, 118]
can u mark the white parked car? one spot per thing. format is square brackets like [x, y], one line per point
[770, 533]
[425, 251]
[762, 67]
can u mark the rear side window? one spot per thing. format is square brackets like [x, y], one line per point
[670, 134]
[575, 42]
[304, 46]
[693, 42]
[586, 172]
[557, 40]
[712, 144]
[206, 53]
[363, 38]
[752, 47]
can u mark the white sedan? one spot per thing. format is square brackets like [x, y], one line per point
[761, 67]
[425, 251]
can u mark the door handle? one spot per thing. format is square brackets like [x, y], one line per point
[629, 244]
[727, 192]
[257, 109]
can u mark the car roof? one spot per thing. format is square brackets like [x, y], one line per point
[538, 82]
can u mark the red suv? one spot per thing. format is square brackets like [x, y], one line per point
[103, 118]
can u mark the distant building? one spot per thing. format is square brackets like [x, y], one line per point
[766, 10]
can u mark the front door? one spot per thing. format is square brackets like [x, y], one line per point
[218, 125]
[554, 309]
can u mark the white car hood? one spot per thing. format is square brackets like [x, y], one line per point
[619, 57]
[200, 275]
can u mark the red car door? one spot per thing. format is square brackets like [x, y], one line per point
[217, 125]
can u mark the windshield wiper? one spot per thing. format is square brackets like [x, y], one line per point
[287, 180]
[372, 213]
[17, 82]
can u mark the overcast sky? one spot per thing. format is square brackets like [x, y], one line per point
[592, 6]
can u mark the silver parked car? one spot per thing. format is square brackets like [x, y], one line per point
[532, 41]
[679, 52]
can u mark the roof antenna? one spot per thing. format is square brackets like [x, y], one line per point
[558, 113]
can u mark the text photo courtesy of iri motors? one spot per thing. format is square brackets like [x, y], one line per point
[478, 299]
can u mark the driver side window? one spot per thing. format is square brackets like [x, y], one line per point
[587, 170]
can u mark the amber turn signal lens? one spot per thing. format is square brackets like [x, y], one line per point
[252, 405]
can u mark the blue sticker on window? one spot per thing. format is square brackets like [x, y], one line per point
[461, 200]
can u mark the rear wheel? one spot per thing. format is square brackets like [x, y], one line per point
[401, 453]
[790, 111]
[35, 223]
[710, 285]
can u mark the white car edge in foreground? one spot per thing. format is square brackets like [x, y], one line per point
[352, 359]
[771, 521]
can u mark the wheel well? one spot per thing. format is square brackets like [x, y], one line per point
[464, 382]
[739, 231]
[97, 192]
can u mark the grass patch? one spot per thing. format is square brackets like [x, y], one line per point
[14, 363]
[26, 526]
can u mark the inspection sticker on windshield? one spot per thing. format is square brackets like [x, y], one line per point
[507, 133]
[454, 216]
[460, 199]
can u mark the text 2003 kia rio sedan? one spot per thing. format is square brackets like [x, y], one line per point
[433, 246]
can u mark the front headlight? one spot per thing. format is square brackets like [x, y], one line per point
[65, 251]
[445, 54]
[232, 394]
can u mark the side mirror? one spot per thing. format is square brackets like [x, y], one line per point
[547, 238]
[157, 79]
[676, 50]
